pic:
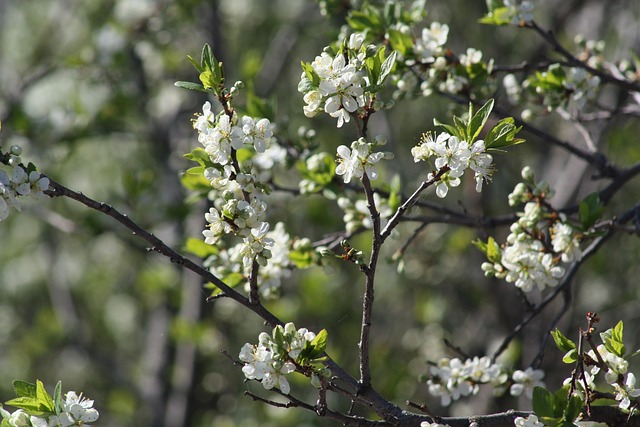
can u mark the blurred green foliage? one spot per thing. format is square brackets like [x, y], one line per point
[86, 87]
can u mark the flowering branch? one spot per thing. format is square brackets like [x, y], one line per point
[553, 41]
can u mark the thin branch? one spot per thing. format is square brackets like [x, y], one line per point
[254, 296]
[367, 300]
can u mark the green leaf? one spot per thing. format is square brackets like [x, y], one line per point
[400, 42]
[199, 248]
[479, 119]
[503, 135]
[208, 80]
[193, 179]
[207, 60]
[498, 16]
[43, 397]
[319, 344]
[612, 339]
[386, 67]
[570, 357]
[545, 403]
[563, 343]
[57, 398]
[491, 249]
[24, 389]
[200, 156]
[29, 404]
[369, 18]
[461, 126]
[191, 86]
[301, 259]
[452, 130]
[195, 63]
[618, 331]
[574, 407]
[590, 210]
[615, 347]
[232, 280]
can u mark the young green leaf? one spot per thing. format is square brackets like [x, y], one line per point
[191, 86]
[57, 398]
[400, 42]
[563, 343]
[195, 63]
[200, 156]
[497, 16]
[503, 135]
[29, 404]
[24, 389]
[461, 127]
[570, 357]
[386, 67]
[590, 210]
[44, 398]
[574, 407]
[319, 344]
[545, 403]
[451, 130]
[479, 119]
[199, 248]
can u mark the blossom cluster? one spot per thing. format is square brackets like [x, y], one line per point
[340, 81]
[237, 192]
[76, 411]
[557, 89]
[519, 11]
[449, 151]
[451, 379]
[530, 421]
[275, 356]
[220, 135]
[617, 375]
[443, 71]
[18, 183]
[357, 214]
[538, 243]
[360, 159]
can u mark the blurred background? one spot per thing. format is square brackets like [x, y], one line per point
[86, 87]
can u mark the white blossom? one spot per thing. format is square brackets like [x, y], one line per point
[530, 421]
[566, 242]
[431, 41]
[358, 160]
[525, 381]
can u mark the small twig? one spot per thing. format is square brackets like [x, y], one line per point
[455, 348]
[228, 356]
[423, 408]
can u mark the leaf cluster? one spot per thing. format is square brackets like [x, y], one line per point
[34, 400]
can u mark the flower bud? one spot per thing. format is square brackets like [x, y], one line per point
[15, 161]
[527, 174]
[16, 150]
